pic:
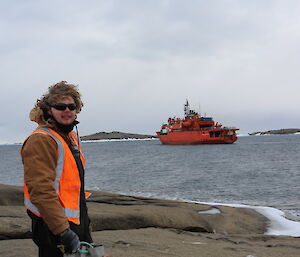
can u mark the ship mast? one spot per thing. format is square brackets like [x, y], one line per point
[187, 109]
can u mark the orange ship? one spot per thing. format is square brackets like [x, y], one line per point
[194, 129]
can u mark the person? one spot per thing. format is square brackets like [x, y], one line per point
[54, 173]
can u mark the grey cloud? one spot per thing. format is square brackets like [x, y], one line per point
[232, 57]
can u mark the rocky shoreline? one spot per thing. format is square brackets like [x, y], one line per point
[276, 132]
[139, 226]
[115, 135]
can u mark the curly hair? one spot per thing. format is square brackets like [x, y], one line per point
[58, 91]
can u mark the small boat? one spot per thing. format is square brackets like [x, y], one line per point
[194, 129]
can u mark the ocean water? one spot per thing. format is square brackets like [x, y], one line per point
[256, 170]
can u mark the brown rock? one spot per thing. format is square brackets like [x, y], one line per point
[116, 212]
[11, 195]
[236, 231]
[111, 211]
[14, 222]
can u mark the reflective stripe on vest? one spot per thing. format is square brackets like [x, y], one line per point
[70, 213]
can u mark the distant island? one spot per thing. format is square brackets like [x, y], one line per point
[276, 132]
[115, 135]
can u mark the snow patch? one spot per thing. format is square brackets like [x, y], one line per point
[279, 224]
[211, 211]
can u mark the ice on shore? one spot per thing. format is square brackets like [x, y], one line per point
[279, 224]
[211, 211]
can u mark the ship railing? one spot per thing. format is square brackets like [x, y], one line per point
[213, 128]
[228, 127]
[206, 128]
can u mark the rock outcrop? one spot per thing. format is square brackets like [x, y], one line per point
[118, 212]
[276, 132]
[114, 135]
[139, 226]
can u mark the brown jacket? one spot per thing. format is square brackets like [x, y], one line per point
[39, 156]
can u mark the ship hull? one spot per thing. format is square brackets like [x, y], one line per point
[194, 138]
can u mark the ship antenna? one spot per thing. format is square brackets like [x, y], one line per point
[186, 108]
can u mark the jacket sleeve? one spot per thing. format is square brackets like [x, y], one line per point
[39, 156]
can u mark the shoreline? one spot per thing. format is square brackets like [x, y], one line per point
[149, 139]
[118, 140]
[150, 227]
[275, 214]
[279, 223]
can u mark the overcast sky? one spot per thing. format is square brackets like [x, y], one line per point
[137, 61]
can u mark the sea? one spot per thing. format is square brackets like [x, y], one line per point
[258, 171]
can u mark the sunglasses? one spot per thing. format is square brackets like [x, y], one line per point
[62, 107]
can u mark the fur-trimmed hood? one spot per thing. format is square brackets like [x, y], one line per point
[37, 115]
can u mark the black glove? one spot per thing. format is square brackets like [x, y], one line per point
[70, 241]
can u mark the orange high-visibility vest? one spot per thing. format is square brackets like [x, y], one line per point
[67, 182]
